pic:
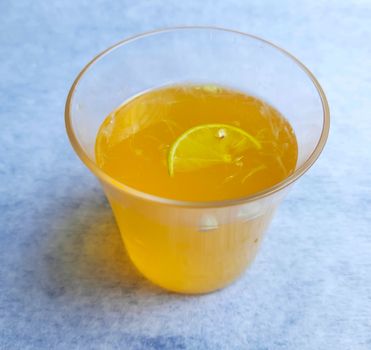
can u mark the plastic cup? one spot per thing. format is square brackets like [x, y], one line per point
[195, 247]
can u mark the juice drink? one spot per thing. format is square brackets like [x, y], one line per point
[139, 144]
[133, 143]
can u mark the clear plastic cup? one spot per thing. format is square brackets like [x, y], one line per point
[195, 247]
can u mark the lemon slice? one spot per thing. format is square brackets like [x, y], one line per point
[210, 144]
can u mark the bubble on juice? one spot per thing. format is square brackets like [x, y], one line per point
[211, 88]
[107, 130]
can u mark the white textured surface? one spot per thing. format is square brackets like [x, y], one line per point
[64, 280]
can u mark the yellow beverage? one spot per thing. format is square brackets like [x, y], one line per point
[134, 146]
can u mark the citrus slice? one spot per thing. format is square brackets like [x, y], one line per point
[209, 144]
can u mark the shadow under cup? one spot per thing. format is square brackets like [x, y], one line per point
[195, 247]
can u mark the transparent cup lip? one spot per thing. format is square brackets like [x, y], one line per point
[105, 178]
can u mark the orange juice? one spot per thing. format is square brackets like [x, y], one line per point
[169, 142]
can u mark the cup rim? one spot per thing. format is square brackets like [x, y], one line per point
[196, 204]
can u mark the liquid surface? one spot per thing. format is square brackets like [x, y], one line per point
[133, 143]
